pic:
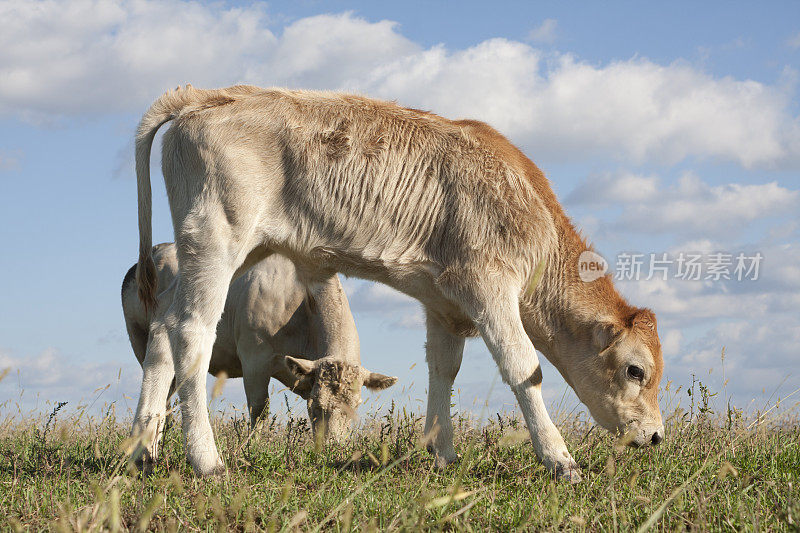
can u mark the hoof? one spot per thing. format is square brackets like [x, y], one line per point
[442, 459]
[144, 462]
[569, 472]
[216, 469]
[442, 462]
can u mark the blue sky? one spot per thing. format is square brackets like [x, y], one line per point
[663, 128]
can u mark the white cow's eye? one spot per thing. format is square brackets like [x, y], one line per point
[635, 372]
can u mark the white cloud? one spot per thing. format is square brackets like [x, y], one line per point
[681, 303]
[794, 41]
[613, 189]
[37, 366]
[85, 56]
[94, 57]
[490, 81]
[671, 342]
[330, 51]
[719, 206]
[758, 357]
[632, 109]
[38, 381]
[784, 266]
[688, 206]
[52, 375]
[686, 302]
[381, 300]
[545, 32]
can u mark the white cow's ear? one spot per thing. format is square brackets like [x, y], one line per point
[375, 381]
[299, 367]
[303, 371]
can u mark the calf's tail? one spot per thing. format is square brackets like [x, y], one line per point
[167, 107]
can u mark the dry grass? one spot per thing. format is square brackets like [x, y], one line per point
[714, 472]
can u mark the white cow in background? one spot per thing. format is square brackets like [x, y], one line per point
[271, 327]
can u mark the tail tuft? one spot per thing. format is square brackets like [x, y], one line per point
[147, 282]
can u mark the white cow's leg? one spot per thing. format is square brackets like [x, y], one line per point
[502, 330]
[443, 351]
[170, 419]
[192, 323]
[331, 333]
[256, 372]
[150, 418]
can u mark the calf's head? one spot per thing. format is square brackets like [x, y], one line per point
[332, 389]
[618, 379]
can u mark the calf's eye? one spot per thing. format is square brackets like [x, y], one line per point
[634, 372]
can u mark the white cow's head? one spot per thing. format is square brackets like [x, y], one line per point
[333, 390]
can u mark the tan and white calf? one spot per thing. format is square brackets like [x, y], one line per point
[269, 315]
[448, 212]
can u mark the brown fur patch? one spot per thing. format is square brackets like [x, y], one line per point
[536, 377]
[589, 301]
[643, 324]
[336, 142]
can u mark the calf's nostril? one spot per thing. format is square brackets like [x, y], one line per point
[657, 438]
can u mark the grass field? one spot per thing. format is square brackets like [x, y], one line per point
[713, 472]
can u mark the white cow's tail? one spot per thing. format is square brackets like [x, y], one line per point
[167, 107]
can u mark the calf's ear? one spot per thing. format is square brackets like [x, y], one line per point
[645, 319]
[607, 334]
[375, 381]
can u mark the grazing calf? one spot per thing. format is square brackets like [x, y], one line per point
[269, 315]
[448, 212]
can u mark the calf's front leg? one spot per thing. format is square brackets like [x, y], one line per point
[443, 352]
[502, 330]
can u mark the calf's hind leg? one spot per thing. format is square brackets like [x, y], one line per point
[157, 379]
[207, 261]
